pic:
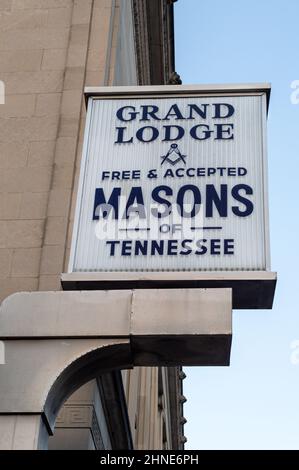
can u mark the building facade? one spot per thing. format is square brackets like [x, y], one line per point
[49, 51]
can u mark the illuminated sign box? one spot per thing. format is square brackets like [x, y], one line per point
[173, 186]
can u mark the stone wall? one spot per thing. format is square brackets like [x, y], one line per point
[49, 50]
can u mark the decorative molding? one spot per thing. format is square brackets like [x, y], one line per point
[141, 41]
[154, 40]
[175, 378]
[75, 416]
[81, 416]
[96, 432]
[174, 79]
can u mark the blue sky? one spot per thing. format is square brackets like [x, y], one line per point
[253, 404]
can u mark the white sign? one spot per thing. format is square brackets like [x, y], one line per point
[173, 182]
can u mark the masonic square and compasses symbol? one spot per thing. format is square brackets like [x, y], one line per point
[173, 156]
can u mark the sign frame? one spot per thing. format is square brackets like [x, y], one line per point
[251, 289]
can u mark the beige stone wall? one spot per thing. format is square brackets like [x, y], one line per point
[49, 49]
